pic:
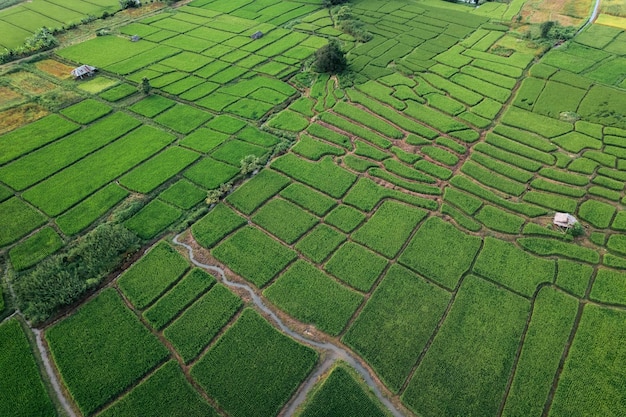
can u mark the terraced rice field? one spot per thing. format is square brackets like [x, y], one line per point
[402, 213]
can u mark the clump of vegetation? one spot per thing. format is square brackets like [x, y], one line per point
[63, 278]
[41, 40]
[250, 164]
[127, 4]
[214, 196]
[145, 86]
[330, 3]
[350, 24]
[554, 32]
[330, 58]
[576, 230]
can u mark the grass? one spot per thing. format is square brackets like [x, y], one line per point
[389, 228]
[343, 394]
[356, 266]
[440, 252]
[280, 365]
[272, 218]
[288, 120]
[391, 332]
[101, 350]
[161, 394]
[550, 325]
[35, 248]
[86, 111]
[506, 264]
[489, 331]
[253, 255]
[21, 383]
[588, 364]
[152, 219]
[202, 321]
[608, 287]
[150, 277]
[312, 297]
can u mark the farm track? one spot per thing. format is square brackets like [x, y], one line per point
[335, 351]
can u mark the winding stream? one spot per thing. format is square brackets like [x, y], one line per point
[335, 352]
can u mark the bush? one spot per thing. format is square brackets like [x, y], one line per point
[64, 278]
[330, 58]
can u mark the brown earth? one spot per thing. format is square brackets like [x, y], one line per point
[9, 97]
[30, 83]
[566, 12]
[55, 68]
[21, 115]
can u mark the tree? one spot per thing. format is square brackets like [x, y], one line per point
[250, 164]
[145, 86]
[330, 58]
[330, 3]
[545, 28]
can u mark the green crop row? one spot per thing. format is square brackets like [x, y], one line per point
[323, 175]
[402, 170]
[519, 149]
[66, 188]
[439, 251]
[356, 130]
[152, 275]
[546, 247]
[393, 349]
[455, 90]
[35, 248]
[389, 228]
[21, 383]
[551, 201]
[34, 135]
[317, 203]
[433, 169]
[502, 168]
[461, 219]
[257, 191]
[445, 382]
[272, 218]
[314, 149]
[434, 118]
[178, 298]
[253, 255]
[280, 365]
[597, 213]
[366, 194]
[101, 350]
[570, 191]
[152, 219]
[408, 185]
[550, 325]
[525, 138]
[499, 220]
[492, 179]
[329, 135]
[17, 219]
[356, 266]
[45, 161]
[201, 322]
[310, 296]
[504, 263]
[161, 394]
[321, 242]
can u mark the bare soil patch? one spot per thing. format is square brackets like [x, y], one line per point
[55, 68]
[19, 116]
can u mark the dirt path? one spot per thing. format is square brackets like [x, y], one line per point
[335, 352]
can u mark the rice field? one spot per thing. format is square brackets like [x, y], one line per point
[402, 211]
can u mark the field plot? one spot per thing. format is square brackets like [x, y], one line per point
[21, 380]
[340, 395]
[403, 208]
[280, 365]
[96, 350]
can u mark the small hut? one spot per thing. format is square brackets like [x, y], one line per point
[83, 70]
[564, 220]
[135, 38]
[257, 35]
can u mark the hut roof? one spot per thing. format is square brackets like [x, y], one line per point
[564, 220]
[83, 70]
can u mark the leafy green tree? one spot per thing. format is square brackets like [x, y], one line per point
[145, 86]
[330, 58]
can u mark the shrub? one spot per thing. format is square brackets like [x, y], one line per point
[62, 279]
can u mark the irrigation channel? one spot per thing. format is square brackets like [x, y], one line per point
[334, 351]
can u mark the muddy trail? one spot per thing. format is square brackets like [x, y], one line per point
[333, 352]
